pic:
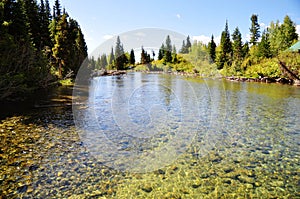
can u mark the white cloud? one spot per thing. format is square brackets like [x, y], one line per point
[178, 16]
[248, 37]
[263, 26]
[206, 39]
[298, 30]
[106, 37]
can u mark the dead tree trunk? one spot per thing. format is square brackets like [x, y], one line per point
[285, 70]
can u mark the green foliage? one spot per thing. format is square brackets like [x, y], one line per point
[292, 60]
[28, 41]
[186, 46]
[132, 57]
[168, 50]
[212, 49]
[121, 59]
[197, 61]
[265, 68]
[282, 36]
[254, 30]
[145, 57]
[161, 52]
[224, 56]
[264, 46]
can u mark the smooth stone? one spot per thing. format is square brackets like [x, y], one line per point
[246, 179]
[249, 186]
[147, 188]
[277, 183]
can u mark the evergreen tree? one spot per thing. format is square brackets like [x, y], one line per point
[254, 30]
[188, 44]
[47, 9]
[245, 50]
[81, 49]
[224, 56]
[120, 57]
[212, 49]
[60, 49]
[57, 10]
[153, 54]
[144, 59]
[111, 57]
[132, 57]
[289, 31]
[264, 46]
[174, 54]
[183, 48]
[118, 49]
[44, 22]
[276, 37]
[25, 40]
[103, 61]
[237, 44]
[161, 52]
[33, 22]
[168, 50]
[282, 36]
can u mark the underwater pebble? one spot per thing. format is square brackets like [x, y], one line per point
[146, 187]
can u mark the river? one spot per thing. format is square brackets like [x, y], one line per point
[153, 136]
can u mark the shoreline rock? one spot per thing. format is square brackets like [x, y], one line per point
[104, 72]
[265, 80]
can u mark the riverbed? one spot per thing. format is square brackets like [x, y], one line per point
[197, 137]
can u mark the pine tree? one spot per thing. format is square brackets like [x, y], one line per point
[289, 31]
[264, 46]
[81, 49]
[119, 51]
[281, 36]
[168, 50]
[161, 52]
[33, 22]
[225, 55]
[121, 59]
[237, 44]
[132, 57]
[111, 57]
[174, 54]
[60, 49]
[188, 44]
[183, 48]
[57, 10]
[47, 9]
[44, 21]
[245, 49]
[254, 30]
[276, 37]
[212, 49]
[103, 61]
[143, 56]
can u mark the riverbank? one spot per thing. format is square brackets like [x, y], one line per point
[279, 80]
[265, 80]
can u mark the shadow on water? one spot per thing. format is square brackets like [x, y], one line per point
[47, 98]
[41, 154]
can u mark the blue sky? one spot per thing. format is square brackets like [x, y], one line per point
[101, 19]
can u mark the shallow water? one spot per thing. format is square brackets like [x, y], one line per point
[218, 139]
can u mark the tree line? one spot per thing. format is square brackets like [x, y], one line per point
[235, 57]
[37, 47]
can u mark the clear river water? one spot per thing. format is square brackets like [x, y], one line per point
[153, 136]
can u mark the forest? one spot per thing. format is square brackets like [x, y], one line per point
[259, 57]
[39, 47]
